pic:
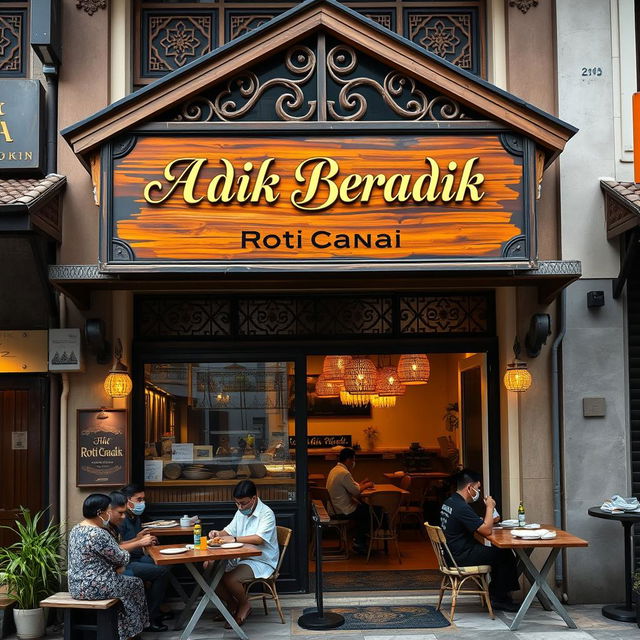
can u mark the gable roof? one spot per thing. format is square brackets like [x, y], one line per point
[293, 25]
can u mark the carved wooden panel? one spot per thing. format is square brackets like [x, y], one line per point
[313, 317]
[450, 34]
[170, 39]
[13, 40]
[452, 30]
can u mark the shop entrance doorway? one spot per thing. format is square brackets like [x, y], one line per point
[408, 445]
[23, 450]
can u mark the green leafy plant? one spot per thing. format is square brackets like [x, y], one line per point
[32, 567]
[636, 582]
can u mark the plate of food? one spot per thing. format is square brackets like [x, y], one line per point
[160, 524]
[172, 551]
[532, 525]
[509, 524]
[231, 545]
[533, 534]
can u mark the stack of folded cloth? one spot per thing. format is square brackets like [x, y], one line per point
[618, 504]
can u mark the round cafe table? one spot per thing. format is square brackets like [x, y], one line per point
[622, 612]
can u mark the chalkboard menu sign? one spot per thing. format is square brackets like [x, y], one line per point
[323, 442]
[102, 448]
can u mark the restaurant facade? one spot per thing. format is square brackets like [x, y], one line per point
[286, 189]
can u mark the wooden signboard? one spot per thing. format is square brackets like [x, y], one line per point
[225, 200]
[102, 448]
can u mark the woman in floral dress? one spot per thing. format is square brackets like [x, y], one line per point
[95, 565]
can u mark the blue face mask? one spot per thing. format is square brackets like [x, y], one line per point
[138, 508]
[247, 511]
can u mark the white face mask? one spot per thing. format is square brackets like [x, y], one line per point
[105, 523]
[476, 497]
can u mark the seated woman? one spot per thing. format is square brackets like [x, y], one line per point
[95, 566]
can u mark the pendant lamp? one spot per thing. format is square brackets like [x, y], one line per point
[334, 366]
[354, 399]
[118, 383]
[360, 376]
[326, 389]
[414, 368]
[388, 383]
[383, 402]
[517, 377]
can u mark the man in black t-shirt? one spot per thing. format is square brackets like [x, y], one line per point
[460, 522]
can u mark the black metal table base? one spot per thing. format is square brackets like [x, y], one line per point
[619, 612]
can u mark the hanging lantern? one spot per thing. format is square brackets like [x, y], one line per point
[327, 389]
[383, 402]
[334, 366]
[354, 399]
[388, 383]
[360, 376]
[118, 383]
[517, 378]
[414, 368]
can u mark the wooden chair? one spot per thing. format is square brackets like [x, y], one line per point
[384, 518]
[413, 505]
[454, 577]
[341, 552]
[284, 537]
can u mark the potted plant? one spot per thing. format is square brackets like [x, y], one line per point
[32, 569]
[636, 590]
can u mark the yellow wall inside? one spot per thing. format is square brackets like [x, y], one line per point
[417, 416]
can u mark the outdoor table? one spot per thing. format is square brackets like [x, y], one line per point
[208, 582]
[503, 539]
[622, 612]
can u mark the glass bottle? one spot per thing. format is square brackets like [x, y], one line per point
[521, 515]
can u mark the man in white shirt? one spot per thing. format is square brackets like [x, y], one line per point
[344, 492]
[254, 523]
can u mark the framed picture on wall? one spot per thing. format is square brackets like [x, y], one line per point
[202, 452]
[325, 407]
[102, 448]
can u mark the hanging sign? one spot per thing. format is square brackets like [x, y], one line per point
[203, 200]
[23, 351]
[102, 448]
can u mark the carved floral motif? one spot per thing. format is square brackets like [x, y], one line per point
[523, 5]
[91, 6]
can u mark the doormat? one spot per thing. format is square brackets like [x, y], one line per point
[411, 580]
[397, 617]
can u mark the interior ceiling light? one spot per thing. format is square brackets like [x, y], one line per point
[517, 377]
[388, 383]
[360, 376]
[414, 368]
[328, 388]
[383, 402]
[334, 367]
[354, 399]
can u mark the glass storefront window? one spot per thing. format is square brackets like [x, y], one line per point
[209, 425]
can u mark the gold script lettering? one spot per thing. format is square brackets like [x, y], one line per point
[4, 131]
[187, 178]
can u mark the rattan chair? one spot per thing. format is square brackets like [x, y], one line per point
[384, 506]
[454, 577]
[284, 537]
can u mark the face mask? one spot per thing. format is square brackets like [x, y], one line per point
[247, 511]
[105, 523]
[138, 508]
[353, 465]
[477, 496]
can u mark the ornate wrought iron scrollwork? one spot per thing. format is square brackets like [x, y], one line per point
[299, 60]
[342, 60]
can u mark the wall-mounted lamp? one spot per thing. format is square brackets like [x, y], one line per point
[118, 383]
[517, 378]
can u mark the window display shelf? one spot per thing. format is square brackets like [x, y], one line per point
[216, 482]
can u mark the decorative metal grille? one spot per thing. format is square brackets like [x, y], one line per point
[13, 41]
[453, 31]
[444, 314]
[243, 318]
[286, 88]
